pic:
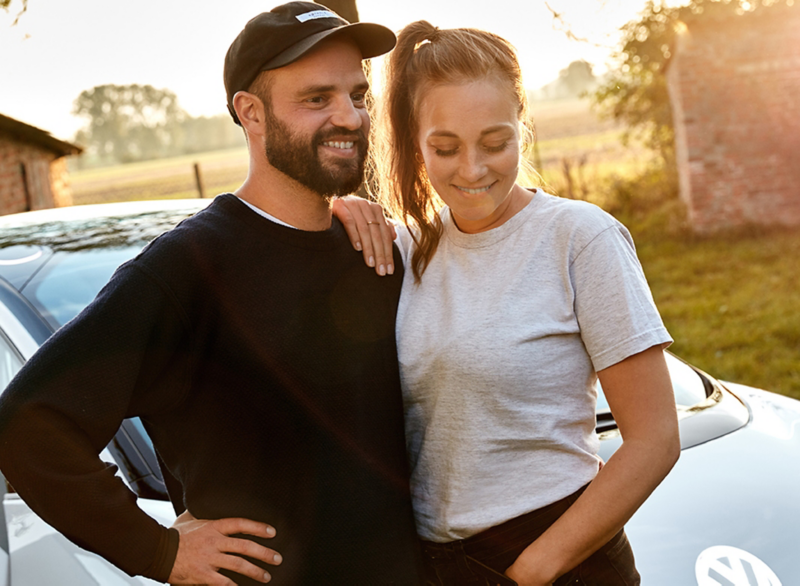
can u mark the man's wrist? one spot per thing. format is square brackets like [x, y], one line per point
[166, 552]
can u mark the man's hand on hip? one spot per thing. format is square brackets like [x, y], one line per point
[205, 548]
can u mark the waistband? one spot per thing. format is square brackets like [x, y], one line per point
[534, 522]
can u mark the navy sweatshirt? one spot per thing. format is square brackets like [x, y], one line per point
[262, 362]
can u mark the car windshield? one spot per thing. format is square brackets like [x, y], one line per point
[61, 264]
[70, 280]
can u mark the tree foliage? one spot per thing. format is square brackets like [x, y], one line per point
[130, 122]
[577, 77]
[137, 122]
[636, 91]
[4, 4]
[210, 133]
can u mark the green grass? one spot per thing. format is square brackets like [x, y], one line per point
[148, 167]
[731, 302]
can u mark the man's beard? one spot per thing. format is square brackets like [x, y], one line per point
[298, 157]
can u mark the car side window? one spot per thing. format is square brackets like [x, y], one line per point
[10, 362]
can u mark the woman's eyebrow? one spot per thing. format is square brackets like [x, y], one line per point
[444, 133]
[496, 128]
[490, 130]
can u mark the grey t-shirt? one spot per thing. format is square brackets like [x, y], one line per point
[499, 345]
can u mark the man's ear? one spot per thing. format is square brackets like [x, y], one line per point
[250, 112]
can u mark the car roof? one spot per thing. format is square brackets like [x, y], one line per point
[90, 226]
[102, 210]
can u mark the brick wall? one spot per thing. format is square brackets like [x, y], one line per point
[43, 184]
[735, 90]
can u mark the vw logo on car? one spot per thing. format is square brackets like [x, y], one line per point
[723, 565]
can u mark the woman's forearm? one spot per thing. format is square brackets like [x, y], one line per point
[639, 392]
[600, 512]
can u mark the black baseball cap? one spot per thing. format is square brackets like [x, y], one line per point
[286, 33]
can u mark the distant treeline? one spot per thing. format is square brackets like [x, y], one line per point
[139, 122]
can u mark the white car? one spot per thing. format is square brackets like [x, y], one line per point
[727, 515]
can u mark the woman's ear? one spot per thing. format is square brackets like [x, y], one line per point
[250, 111]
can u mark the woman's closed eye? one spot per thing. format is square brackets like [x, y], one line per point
[496, 148]
[446, 152]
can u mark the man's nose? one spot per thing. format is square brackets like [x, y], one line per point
[346, 115]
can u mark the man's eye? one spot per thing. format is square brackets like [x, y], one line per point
[316, 100]
[359, 97]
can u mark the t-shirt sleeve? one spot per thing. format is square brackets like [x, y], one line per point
[403, 241]
[115, 360]
[613, 303]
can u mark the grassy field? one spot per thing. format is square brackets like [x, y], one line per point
[162, 179]
[731, 302]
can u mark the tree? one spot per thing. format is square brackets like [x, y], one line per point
[4, 4]
[636, 91]
[577, 78]
[210, 133]
[130, 122]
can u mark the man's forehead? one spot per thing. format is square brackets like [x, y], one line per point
[333, 65]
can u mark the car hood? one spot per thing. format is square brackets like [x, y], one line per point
[739, 491]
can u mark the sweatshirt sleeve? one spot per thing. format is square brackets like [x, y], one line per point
[121, 357]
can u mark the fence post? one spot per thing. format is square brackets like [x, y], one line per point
[198, 176]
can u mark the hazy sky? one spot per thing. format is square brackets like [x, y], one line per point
[62, 47]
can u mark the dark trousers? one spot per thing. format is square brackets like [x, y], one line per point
[480, 560]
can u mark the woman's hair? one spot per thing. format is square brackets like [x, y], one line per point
[426, 56]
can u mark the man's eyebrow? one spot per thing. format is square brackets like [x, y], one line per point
[324, 89]
[317, 89]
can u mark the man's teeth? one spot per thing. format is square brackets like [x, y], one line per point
[475, 191]
[339, 145]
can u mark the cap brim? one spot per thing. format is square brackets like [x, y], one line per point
[371, 39]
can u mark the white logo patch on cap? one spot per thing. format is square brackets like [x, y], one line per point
[315, 14]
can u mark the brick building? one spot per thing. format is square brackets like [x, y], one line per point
[33, 168]
[734, 84]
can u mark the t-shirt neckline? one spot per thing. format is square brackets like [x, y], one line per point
[493, 236]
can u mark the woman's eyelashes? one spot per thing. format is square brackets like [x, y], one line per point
[488, 148]
[445, 152]
[496, 148]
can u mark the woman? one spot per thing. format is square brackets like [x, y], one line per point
[514, 303]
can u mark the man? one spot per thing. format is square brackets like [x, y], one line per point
[260, 356]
